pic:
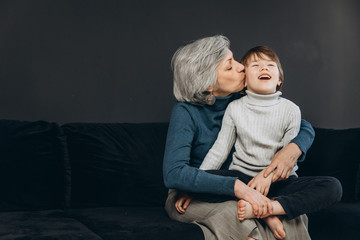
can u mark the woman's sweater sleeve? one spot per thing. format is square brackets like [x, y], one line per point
[305, 138]
[177, 172]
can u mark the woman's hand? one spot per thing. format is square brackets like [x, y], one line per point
[283, 162]
[260, 204]
[261, 184]
[182, 203]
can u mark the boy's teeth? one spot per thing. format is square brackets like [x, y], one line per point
[264, 77]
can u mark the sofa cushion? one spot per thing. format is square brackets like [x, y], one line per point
[42, 225]
[32, 166]
[340, 221]
[116, 163]
[132, 223]
[335, 153]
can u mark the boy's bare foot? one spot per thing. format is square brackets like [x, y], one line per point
[276, 226]
[245, 210]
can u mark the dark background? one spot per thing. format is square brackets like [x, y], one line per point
[109, 61]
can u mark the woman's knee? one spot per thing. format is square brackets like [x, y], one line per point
[170, 206]
[173, 213]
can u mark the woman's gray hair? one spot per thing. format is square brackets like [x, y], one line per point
[195, 68]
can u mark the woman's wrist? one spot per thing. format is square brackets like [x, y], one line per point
[239, 188]
[295, 150]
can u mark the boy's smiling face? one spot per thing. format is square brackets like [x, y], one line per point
[262, 75]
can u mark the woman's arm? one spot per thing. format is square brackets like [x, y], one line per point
[177, 172]
[305, 138]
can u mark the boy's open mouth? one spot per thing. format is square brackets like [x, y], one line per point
[264, 77]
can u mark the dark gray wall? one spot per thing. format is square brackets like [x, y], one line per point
[109, 61]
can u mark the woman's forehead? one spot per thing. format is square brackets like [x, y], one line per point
[229, 54]
[228, 58]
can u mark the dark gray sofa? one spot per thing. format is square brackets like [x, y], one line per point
[104, 181]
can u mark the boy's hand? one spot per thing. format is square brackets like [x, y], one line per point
[260, 183]
[182, 203]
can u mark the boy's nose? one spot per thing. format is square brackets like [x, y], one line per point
[264, 68]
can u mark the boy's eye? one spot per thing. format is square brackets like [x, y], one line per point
[230, 68]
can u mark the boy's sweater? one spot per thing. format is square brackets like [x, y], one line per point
[259, 125]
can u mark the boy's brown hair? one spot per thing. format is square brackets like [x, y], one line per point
[260, 52]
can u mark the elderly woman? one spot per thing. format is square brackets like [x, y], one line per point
[206, 79]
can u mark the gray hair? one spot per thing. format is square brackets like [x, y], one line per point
[195, 68]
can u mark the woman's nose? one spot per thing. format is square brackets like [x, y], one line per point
[240, 67]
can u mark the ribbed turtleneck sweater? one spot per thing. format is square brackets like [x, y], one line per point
[259, 126]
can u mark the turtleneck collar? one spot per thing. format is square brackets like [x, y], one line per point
[263, 100]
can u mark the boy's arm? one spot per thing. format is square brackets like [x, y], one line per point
[285, 159]
[219, 152]
[261, 183]
[293, 128]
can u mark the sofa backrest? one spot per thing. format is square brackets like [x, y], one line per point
[43, 165]
[116, 163]
[32, 167]
[335, 153]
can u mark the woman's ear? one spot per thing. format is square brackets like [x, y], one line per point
[210, 90]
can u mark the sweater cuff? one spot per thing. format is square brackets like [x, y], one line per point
[227, 187]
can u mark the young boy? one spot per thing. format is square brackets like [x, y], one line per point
[260, 124]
